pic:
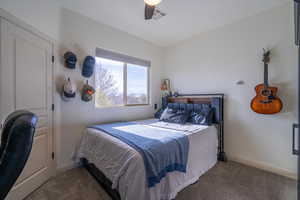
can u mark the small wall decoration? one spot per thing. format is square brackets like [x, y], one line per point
[68, 90]
[166, 86]
[87, 92]
[176, 94]
[70, 60]
[88, 66]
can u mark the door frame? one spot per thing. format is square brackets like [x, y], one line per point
[54, 129]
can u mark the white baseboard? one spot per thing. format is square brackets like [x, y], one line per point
[264, 166]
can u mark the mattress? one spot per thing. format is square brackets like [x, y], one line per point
[124, 166]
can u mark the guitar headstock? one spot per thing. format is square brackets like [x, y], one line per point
[266, 56]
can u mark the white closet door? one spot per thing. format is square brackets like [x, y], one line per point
[26, 83]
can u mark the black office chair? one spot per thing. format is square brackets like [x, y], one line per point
[16, 143]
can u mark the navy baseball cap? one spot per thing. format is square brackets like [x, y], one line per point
[88, 66]
[70, 60]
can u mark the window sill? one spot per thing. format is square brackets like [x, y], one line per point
[133, 105]
[123, 106]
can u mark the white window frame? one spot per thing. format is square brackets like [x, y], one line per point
[135, 61]
[125, 87]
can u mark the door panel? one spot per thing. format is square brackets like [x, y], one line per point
[30, 92]
[26, 83]
[37, 160]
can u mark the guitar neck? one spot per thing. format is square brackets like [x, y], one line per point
[266, 81]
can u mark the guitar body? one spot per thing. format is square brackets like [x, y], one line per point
[266, 100]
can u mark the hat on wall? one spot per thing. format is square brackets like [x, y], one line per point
[87, 92]
[69, 90]
[70, 60]
[88, 66]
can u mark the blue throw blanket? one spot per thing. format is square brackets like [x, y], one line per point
[163, 150]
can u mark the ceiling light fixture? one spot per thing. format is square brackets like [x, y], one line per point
[152, 2]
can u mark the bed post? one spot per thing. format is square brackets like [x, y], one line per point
[222, 154]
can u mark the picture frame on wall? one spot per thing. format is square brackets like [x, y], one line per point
[166, 85]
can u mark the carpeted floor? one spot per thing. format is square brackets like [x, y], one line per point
[225, 181]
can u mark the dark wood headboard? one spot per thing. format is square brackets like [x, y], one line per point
[189, 99]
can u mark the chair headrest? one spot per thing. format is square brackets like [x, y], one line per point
[9, 122]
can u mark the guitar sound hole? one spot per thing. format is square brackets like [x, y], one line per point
[266, 93]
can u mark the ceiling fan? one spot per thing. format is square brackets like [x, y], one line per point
[150, 9]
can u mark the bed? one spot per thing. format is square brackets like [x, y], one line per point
[120, 168]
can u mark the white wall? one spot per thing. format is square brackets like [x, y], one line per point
[210, 62]
[82, 35]
[216, 60]
[44, 15]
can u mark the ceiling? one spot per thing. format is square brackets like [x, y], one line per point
[185, 18]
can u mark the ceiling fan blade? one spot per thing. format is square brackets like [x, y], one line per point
[149, 11]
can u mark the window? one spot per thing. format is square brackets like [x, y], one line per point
[120, 80]
[109, 83]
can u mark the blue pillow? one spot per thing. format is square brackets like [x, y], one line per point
[175, 116]
[204, 116]
[158, 113]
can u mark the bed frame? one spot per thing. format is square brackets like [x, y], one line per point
[215, 100]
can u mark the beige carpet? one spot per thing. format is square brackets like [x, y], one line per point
[225, 181]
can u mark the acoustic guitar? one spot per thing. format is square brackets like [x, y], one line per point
[266, 100]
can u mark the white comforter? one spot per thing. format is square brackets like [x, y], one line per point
[124, 166]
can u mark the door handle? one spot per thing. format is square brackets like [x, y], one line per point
[295, 151]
